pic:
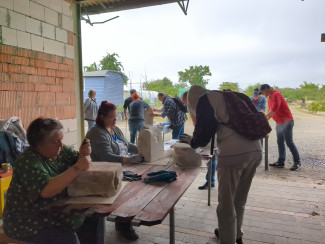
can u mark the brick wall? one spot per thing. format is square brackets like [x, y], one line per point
[37, 62]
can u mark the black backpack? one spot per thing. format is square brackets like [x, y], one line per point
[8, 149]
[180, 104]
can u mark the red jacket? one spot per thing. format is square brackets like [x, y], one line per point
[279, 106]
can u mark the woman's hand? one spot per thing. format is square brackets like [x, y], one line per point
[85, 148]
[83, 163]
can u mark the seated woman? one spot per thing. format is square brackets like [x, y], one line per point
[109, 144]
[41, 174]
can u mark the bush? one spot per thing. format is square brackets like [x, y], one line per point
[315, 107]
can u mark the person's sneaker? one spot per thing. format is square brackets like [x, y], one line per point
[295, 166]
[238, 241]
[205, 186]
[277, 165]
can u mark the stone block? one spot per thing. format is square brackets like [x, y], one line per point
[37, 11]
[48, 31]
[3, 19]
[33, 26]
[65, 123]
[150, 144]
[101, 179]
[61, 35]
[73, 125]
[24, 40]
[70, 138]
[22, 6]
[185, 156]
[69, 51]
[66, 8]
[56, 5]
[67, 23]
[17, 21]
[49, 46]
[9, 36]
[59, 48]
[37, 43]
[51, 17]
[148, 119]
[8, 4]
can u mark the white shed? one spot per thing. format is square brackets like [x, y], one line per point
[108, 85]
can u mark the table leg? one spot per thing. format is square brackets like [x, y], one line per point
[266, 152]
[209, 181]
[172, 226]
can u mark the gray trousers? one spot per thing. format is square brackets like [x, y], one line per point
[235, 175]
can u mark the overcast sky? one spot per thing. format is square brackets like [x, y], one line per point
[245, 41]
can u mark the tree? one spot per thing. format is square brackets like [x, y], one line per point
[229, 85]
[195, 75]
[108, 62]
[161, 85]
[250, 89]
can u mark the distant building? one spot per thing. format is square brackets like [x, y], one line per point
[108, 85]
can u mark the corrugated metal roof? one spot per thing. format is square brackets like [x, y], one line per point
[99, 73]
[104, 6]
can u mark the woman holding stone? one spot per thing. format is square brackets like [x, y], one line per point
[40, 177]
[109, 144]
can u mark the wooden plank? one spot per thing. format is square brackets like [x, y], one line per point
[156, 211]
[135, 204]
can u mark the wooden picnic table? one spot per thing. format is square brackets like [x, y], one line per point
[138, 202]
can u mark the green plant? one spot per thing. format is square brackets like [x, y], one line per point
[315, 107]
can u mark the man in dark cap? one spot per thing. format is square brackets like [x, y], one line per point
[127, 103]
[258, 100]
[278, 109]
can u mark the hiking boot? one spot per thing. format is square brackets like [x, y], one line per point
[126, 231]
[277, 165]
[295, 166]
[238, 241]
[205, 186]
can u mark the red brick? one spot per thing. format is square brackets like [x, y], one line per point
[34, 79]
[28, 99]
[56, 88]
[47, 111]
[0, 67]
[29, 114]
[62, 98]
[69, 112]
[64, 67]
[8, 49]
[42, 71]
[24, 53]
[71, 38]
[25, 87]
[42, 87]
[32, 62]
[52, 65]
[73, 98]
[6, 58]
[43, 56]
[48, 80]
[46, 99]
[68, 61]
[51, 72]
[29, 70]
[58, 81]
[8, 99]
[11, 68]
[55, 59]
[59, 111]
[17, 77]
[40, 63]
[20, 60]
[4, 76]
[69, 85]
[8, 86]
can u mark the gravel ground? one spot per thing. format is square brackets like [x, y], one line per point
[309, 135]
